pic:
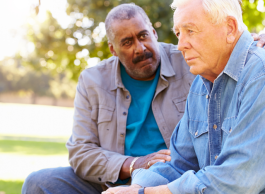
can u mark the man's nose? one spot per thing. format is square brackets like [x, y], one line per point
[139, 47]
[183, 43]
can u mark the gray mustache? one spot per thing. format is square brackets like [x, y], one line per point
[146, 55]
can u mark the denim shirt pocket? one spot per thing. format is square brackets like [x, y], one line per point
[198, 128]
[227, 127]
[180, 103]
[199, 133]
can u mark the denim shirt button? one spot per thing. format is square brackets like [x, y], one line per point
[215, 157]
[207, 96]
[196, 133]
[230, 130]
[215, 127]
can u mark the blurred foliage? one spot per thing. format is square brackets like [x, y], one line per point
[16, 78]
[67, 50]
[252, 17]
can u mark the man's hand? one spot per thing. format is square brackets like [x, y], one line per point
[144, 162]
[260, 39]
[133, 189]
[150, 159]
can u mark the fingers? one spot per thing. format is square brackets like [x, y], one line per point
[255, 36]
[121, 190]
[260, 39]
[162, 157]
[166, 152]
[152, 162]
[112, 190]
[261, 43]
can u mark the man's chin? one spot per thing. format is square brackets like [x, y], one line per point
[194, 71]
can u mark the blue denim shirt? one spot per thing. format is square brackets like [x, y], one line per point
[219, 144]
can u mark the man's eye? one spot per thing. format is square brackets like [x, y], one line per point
[191, 31]
[177, 34]
[127, 42]
[143, 36]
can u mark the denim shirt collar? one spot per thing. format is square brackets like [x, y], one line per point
[238, 57]
[236, 61]
[166, 69]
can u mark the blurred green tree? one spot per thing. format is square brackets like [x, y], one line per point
[17, 78]
[67, 50]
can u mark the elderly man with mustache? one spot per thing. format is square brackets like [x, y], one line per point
[126, 109]
[218, 146]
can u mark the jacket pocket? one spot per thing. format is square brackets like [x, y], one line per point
[105, 114]
[102, 113]
[180, 104]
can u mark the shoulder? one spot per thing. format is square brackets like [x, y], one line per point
[99, 75]
[197, 87]
[172, 51]
[254, 66]
[177, 61]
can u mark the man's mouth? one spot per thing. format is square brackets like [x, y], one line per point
[190, 59]
[143, 57]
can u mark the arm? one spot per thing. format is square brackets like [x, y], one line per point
[164, 173]
[238, 167]
[89, 160]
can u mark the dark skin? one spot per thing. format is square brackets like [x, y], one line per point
[164, 155]
[123, 48]
[142, 162]
[135, 43]
[134, 38]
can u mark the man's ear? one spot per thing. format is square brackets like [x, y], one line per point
[111, 48]
[232, 29]
[155, 33]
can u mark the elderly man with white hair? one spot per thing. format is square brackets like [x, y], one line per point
[218, 146]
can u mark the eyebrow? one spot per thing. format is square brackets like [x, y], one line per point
[188, 25]
[129, 38]
[126, 38]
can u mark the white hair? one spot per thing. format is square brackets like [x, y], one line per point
[219, 10]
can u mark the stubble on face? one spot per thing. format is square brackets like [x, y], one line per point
[141, 57]
[202, 42]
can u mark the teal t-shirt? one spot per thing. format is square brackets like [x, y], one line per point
[142, 133]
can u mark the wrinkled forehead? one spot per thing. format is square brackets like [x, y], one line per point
[131, 27]
[190, 14]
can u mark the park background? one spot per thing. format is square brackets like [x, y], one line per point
[44, 45]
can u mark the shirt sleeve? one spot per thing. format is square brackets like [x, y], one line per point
[183, 159]
[88, 160]
[238, 168]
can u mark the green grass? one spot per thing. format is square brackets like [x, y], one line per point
[32, 147]
[11, 187]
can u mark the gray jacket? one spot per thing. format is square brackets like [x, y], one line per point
[96, 147]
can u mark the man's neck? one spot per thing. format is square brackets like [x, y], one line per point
[224, 60]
